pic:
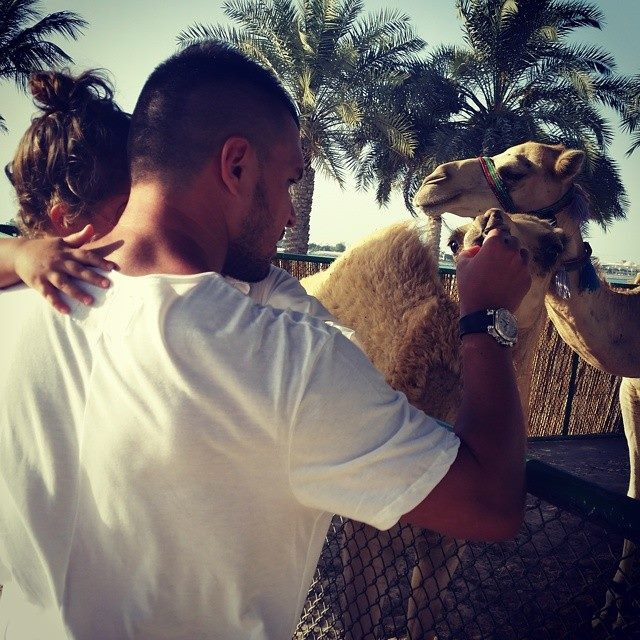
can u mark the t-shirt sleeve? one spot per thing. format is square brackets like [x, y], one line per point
[5, 574]
[357, 447]
[283, 291]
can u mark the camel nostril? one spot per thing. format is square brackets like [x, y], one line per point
[494, 219]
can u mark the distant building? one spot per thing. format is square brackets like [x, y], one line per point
[620, 272]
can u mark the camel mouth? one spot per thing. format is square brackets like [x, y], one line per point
[484, 231]
[428, 203]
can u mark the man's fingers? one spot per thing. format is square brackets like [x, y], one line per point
[80, 271]
[81, 237]
[67, 285]
[502, 237]
[470, 252]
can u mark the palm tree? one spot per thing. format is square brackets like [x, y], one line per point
[631, 120]
[429, 100]
[24, 44]
[336, 63]
[518, 78]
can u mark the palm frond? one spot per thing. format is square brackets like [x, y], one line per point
[635, 143]
[29, 50]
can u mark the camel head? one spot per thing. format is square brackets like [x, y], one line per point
[535, 175]
[545, 243]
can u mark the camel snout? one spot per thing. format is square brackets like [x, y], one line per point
[439, 175]
[493, 219]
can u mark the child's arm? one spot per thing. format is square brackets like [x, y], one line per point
[52, 265]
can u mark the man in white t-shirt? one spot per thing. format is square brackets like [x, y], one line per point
[170, 458]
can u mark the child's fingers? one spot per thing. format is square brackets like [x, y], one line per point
[92, 259]
[80, 271]
[52, 295]
[67, 285]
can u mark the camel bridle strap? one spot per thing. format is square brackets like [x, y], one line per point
[549, 213]
[588, 279]
[497, 184]
[578, 263]
[501, 192]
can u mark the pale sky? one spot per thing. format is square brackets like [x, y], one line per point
[129, 38]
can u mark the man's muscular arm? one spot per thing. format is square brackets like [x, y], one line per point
[482, 494]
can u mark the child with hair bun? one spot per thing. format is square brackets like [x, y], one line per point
[70, 174]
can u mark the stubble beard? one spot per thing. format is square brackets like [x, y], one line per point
[244, 260]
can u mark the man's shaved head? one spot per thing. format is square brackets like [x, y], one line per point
[195, 101]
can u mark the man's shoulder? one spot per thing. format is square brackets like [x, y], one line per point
[216, 305]
[20, 301]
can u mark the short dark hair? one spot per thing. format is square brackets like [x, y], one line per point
[194, 101]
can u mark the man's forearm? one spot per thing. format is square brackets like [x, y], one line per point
[490, 421]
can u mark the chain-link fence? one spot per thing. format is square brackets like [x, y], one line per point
[550, 582]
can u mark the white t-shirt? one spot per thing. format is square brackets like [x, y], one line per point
[170, 459]
[282, 291]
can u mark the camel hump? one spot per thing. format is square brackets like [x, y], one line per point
[404, 247]
[399, 253]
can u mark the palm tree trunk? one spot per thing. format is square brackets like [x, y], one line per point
[296, 240]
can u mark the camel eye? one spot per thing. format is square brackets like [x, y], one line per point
[454, 245]
[509, 174]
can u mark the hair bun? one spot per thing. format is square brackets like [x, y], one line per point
[59, 91]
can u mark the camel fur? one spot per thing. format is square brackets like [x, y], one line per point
[388, 289]
[601, 325]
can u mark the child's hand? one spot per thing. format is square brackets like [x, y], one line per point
[53, 265]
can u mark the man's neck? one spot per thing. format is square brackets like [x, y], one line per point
[161, 234]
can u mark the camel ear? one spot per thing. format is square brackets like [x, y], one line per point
[569, 163]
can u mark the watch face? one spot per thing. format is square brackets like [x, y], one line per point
[505, 324]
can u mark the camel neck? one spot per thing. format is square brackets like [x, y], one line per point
[523, 355]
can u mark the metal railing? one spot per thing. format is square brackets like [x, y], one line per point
[9, 230]
[550, 582]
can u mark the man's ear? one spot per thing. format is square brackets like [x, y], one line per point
[237, 165]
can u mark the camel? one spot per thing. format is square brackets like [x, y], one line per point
[599, 323]
[388, 289]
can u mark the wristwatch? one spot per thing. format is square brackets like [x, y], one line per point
[501, 324]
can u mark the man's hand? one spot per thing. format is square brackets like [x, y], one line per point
[52, 266]
[494, 275]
